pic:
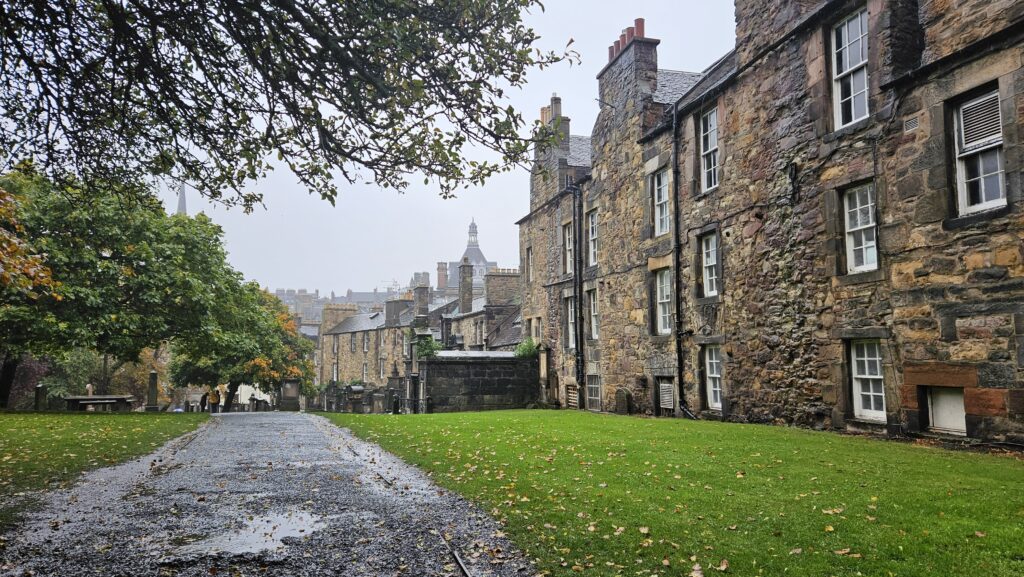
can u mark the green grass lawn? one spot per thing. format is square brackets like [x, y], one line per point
[44, 450]
[610, 495]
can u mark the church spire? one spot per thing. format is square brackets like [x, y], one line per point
[182, 209]
[473, 241]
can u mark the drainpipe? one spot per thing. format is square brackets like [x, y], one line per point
[677, 246]
[577, 291]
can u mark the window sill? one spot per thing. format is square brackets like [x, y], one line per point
[661, 338]
[712, 300]
[848, 129]
[705, 193]
[865, 422]
[975, 218]
[861, 277]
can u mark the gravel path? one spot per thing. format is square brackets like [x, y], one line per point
[260, 494]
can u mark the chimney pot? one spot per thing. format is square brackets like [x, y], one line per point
[611, 52]
[630, 33]
[622, 39]
[618, 47]
[638, 24]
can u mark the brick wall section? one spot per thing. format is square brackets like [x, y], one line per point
[480, 384]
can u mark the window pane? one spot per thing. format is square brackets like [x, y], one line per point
[974, 192]
[990, 161]
[971, 165]
[860, 105]
[847, 112]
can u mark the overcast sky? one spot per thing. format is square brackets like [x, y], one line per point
[374, 237]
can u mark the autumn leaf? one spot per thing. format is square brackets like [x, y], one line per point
[697, 571]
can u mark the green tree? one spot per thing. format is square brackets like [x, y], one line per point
[253, 340]
[127, 276]
[208, 92]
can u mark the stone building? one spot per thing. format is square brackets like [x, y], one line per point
[823, 230]
[590, 253]
[482, 323]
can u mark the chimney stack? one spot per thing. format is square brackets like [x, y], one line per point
[442, 276]
[421, 299]
[626, 38]
[465, 287]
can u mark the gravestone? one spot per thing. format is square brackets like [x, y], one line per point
[623, 402]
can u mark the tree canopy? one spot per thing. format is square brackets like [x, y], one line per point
[210, 92]
[124, 277]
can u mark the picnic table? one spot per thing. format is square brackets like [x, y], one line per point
[103, 402]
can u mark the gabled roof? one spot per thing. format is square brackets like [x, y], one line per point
[358, 323]
[674, 83]
[579, 150]
[508, 332]
[714, 77]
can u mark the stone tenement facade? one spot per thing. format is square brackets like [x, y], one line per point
[825, 229]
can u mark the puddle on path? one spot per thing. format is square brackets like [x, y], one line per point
[262, 533]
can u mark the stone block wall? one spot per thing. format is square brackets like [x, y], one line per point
[480, 384]
[501, 286]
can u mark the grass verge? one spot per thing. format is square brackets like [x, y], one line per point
[610, 495]
[48, 450]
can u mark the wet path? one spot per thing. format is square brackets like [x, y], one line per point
[260, 494]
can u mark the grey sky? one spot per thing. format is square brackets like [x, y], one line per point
[373, 237]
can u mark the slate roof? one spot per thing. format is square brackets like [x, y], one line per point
[579, 150]
[674, 83]
[714, 77]
[508, 332]
[358, 323]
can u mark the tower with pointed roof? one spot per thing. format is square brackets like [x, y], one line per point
[476, 257]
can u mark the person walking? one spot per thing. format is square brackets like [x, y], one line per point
[202, 402]
[214, 401]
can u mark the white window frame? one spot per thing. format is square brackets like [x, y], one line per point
[595, 320]
[570, 322]
[713, 375]
[846, 69]
[592, 237]
[537, 328]
[594, 393]
[366, 342]
[567, 248]
[663, 298]
[972, 152]
[867, 371]
[709, 149]
[709, 263]
[861, 228]
[334, 345]
[334, 371]
[529, 264]
[366, 373]
[352, 342]
[659, 190]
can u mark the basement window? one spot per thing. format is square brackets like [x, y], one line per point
[868, 382]
[594, 392]
[713, 376]
[666, 393]
[946, 410]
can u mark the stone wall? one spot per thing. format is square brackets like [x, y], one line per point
[501, 286]
[480, 384]
[945, 304]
